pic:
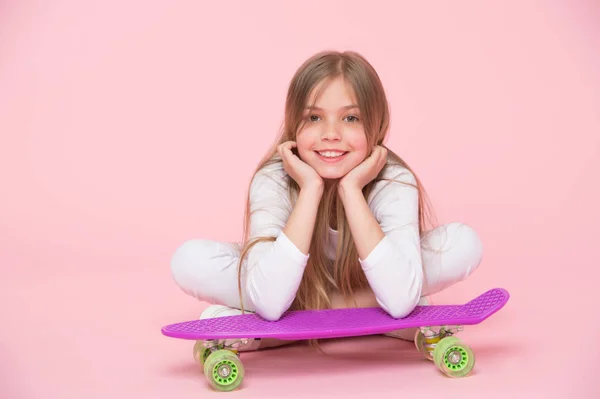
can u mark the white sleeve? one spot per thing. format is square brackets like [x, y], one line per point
[394, 267]
[274, 269]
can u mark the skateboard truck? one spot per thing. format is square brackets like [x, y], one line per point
[230, 344]
[208, 346]
[426, 338]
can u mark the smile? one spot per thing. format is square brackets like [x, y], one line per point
[331, 156]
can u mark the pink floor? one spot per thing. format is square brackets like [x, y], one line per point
[94, 335]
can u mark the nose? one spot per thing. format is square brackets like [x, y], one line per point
[331, 133]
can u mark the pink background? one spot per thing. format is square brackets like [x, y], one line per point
[129, 127]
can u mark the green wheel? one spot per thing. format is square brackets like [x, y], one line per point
[453, 357]
[441, 347]
[200, 353]
[420, 344]
[224, 370]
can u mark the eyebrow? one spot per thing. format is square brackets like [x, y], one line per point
[351, 106]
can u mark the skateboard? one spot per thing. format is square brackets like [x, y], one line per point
[218, 339]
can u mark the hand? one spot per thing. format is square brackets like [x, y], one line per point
[300, 171]
[366, 171]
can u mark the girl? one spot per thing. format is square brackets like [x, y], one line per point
[334, 218]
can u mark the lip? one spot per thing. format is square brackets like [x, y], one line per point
[332, 160]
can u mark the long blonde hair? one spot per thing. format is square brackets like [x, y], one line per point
[347, 277]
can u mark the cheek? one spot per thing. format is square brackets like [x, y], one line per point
[304, 144]
[361, 148]
[358, 144]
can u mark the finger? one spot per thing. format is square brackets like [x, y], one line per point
[383, 152]
[285, 151]
[283, 146]
[384, 157]
[375, 154]
[379, 156]
[289, 144]
[288, 149]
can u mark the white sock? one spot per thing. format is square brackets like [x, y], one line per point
[219, 311]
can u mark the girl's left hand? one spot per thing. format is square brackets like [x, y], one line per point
[366, 171]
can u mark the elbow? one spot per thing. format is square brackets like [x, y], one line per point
[270, 290]
[404, 304]
[401, 309]
[267, 306]
[270, 312]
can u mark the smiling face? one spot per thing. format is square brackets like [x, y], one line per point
[332, 140]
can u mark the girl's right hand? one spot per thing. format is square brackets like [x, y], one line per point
[300, 171]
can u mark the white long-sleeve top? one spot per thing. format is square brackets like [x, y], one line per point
[393, 268]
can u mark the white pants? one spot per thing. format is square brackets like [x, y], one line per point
[207, 270]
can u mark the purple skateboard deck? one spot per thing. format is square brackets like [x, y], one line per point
[338, 323]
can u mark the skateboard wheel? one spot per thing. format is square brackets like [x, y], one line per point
[453, 357]
[200, 353]
[224, 370]
[420, 344]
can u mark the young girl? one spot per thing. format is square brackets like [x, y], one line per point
[334, 218]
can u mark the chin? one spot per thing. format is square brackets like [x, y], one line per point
[331, 176]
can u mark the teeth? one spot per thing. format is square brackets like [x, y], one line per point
[331, 154]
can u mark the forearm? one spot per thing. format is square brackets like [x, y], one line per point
[392, 266]
[365, 229]
[276, 269]
[274, 275]
[300, 225]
